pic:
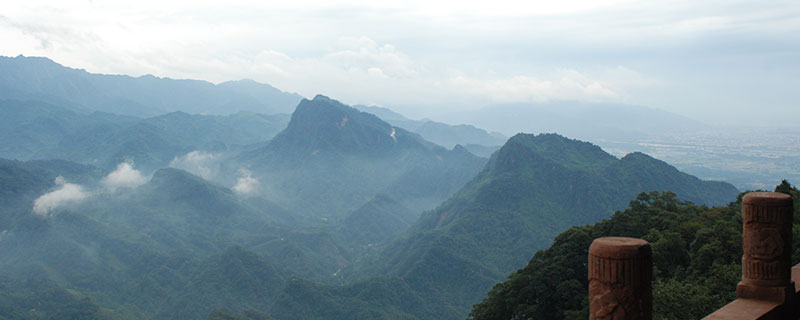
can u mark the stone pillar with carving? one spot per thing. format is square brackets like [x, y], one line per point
[767, 244]
[620, 279]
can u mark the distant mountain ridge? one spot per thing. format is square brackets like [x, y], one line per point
[38, 130]
[38, 78]
[579, 120]
[437, 132]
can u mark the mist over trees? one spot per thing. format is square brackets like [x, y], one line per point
[151, 198]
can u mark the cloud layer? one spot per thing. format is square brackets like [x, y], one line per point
[66, 193]
[125, 176]
[246, 184]
[199, 163]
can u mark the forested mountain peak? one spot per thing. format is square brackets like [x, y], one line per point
[522, 149]
[324, 124]
[534, 187]
[178, 181]
[328, 143]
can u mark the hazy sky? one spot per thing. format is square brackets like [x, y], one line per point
[720, 62]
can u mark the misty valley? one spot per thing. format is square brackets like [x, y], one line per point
[153, 198]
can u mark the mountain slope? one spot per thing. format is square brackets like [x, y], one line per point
[153, 142]
[175, 246]
[377, 221]
[22, 182]
[236, 279]
[382, 298]
[36, 130]
[331, 159]
[696, 260]
[533, 188]
[29, 127]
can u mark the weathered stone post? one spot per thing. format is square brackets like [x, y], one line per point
[767, 242]
[620, 279]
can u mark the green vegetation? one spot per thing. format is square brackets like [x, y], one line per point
[332, 159]
[336, 229]
[43, 299]
[696, 255]
[533, 188]
[378, 221]
[35, 130]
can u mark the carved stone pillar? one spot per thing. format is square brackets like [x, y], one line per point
[767, 242]
[620, 279]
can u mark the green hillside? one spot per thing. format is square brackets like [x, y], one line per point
[533, 188]
[696, 256]
[378, 221]
[175, 247]
[37, 130]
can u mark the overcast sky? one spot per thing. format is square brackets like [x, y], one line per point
[721, 62]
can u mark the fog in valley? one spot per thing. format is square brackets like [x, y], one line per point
[381, 160]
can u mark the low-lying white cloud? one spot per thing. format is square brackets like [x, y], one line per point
[246, 184]
[125, 176]
[198, 163]
[66, 193]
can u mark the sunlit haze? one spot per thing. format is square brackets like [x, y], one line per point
[720, 62]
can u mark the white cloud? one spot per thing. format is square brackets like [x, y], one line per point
[198, 163]
[566, 85]
[125, 176]
[246, 184]
[66, 193]
[365, 55]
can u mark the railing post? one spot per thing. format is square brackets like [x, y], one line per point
[767, 242]
[620, 279]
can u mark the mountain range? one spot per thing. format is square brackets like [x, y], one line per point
[330, 213]
[581, 120]
[38, 78]
[327, 143]
[440, 133]
[534, 187]
[39, 130]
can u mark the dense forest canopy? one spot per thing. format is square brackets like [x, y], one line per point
[696, 261]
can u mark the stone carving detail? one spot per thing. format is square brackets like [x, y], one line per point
[767, 218]
[767, 242]
[620, 279]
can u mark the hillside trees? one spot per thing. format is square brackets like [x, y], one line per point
[696, 259]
